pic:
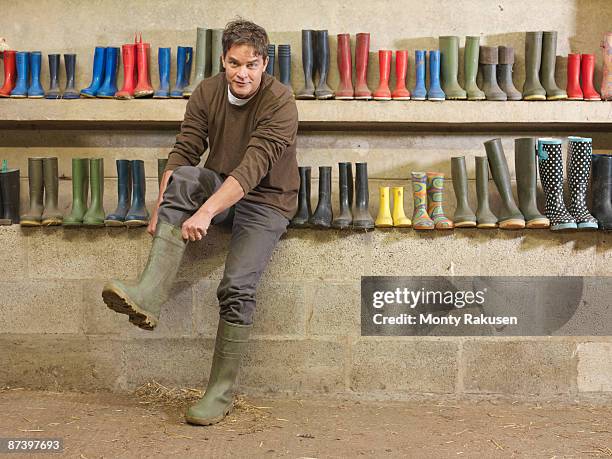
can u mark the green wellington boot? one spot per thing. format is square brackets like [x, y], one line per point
[203, 59]
[510, 217]
[464, 215]
[142, 300]
[80, 191]
[33, 217]
[95, 214]
[216, 51]
[525, 162]
[230, 345]
[51, 215]
[488, 64]
[470, 62]
[449, 56]
[533, 89]
[547, 69]
[484, 216]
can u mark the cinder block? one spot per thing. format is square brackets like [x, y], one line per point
[14, 254]
[604, 255]
[595, 367]
[399, 365]
[336, 309]
[41, 307]
[519, 367]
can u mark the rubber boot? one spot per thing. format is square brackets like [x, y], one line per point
[488, 65]
[138, 215]
[97, 79]
[33, 217]
[9, 192]
[464, 216]
[142, 300]
[580, 152]
[271, 60]
[216, 51]
[345, 219]
[284, 65]
[419, 92]
[547, 69]
[420, 217]
[95, 213]
[550, 162]
[384, 65]
[51, 216]
[470, 68]
[109, 86]
[533, 89]
[485, 218]
[304, 211]
[606, 81]
[143, 87]
[400, 220]
[435, 92]
[573, 89]
[10, 74]
[525, 162]
[601, 188]
[4, 221]
[70, 91]
[80, 191]
[362, 56]
[35, 89]
[435, 201]
[322, 90]
[323, 215]
[202, 60]
[510, 217]
[384, 219]
[345, 89]
[587, 68]
[163, 64]
[128, 52]
[218, 401]
[401, 69]
[362, 219]
[504, 73]
[124, 194]
[161, 168]
[54, 90]
[20, 89]
[307, 92]
[449, 57]
[183, 66]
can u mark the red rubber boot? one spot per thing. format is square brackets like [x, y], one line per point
[586, 70]
[362, 55]
[345, 67]
[10, 74]
[128, 53]
[401, 68]
[384, 64]
[574, 92]
[143, 88]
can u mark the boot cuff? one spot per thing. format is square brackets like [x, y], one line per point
[488, 54]
[506, 55]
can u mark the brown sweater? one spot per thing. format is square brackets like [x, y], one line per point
[254, 143]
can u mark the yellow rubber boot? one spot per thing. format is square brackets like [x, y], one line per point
[384, 219]
[399, 216]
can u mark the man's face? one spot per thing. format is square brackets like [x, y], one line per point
[243, 70]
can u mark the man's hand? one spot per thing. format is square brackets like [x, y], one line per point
[196, 227]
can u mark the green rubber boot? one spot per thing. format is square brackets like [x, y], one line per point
[33, 217]
[464, 215]
[95, 214]
[484, 216]
[525, 162]
[142, 300]
[216, 51]
[470, 62]
[533, 89]
[80, 191]
[547, 69]
[51, 215]
[202, 59]
[449, 56]
[218, 401]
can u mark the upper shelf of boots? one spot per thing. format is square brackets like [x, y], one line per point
[320, 115]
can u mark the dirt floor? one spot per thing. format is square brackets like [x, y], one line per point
[150, 424]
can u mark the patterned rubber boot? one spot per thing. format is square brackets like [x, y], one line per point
[580, 152]
[420, 217]
[550, 162]
[435, 201]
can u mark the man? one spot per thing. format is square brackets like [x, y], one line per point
[249, 120]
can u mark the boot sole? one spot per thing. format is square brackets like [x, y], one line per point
[52, 222]
[210, 421]
[557, 98]
[534, 98]
[465, 225]
[541, 223]
[30, 223]
[514, 224]
[114, 223]
[119, 302]
[133, 223]
[486, 225]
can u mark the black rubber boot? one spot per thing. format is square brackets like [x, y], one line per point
[271, 59]
[601, 188]
[9, 192]
[323, 215]
[323, 91]
[54, 90]
[308, 91]
[525, 162]
[362, 219]
[284, 65]
[304, 211]
[345, 219]
[70, 64]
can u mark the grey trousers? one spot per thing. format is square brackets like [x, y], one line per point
[256, 229]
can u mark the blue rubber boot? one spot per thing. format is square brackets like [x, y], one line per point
[435, 90]
[109, 87]
[124, 194]
[138, 215]
[35, 90]
[419, 92]
[163, 62]
[184, 56]
[98, 73]
[271, 59]
[20, 90]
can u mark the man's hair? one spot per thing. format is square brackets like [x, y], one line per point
[243, 32]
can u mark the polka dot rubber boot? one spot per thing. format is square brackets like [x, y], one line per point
[435, 201]
[420, 217]
[550, 161]
[580, 152]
